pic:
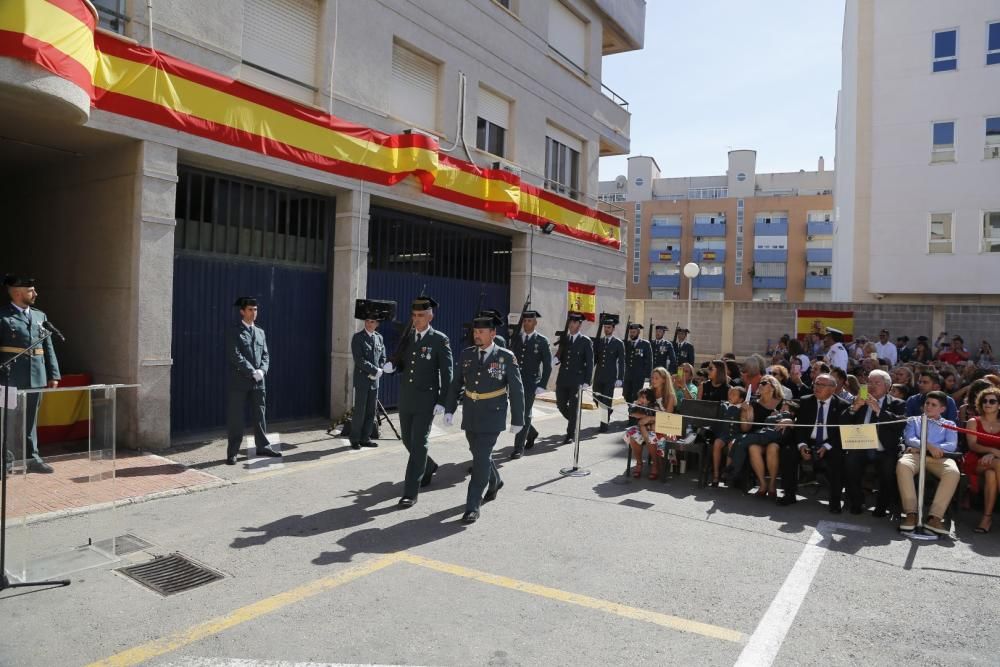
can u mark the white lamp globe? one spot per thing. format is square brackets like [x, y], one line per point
[691, 270]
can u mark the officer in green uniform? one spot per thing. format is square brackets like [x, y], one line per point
[638, 364]
[609, 365]
[535, 359]
[246, 352]
[368, 351]
[425, 375]
[486, 379]
[683, 348]
[664, 355]
[20, 325]
[499, 340]
[576, 366]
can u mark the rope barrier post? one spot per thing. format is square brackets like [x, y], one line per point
[575, 470]
[918, 533]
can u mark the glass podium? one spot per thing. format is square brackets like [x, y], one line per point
[62, 521]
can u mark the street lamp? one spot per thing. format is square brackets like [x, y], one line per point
[691, 271]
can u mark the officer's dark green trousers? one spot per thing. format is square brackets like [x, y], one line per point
[415, 428]
[484, 471]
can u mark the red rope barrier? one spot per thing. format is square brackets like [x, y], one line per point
[989, 437]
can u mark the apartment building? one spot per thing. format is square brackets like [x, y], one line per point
[161, 159]
[917, 196]
[754, 236]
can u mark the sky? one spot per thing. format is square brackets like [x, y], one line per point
[718, 75]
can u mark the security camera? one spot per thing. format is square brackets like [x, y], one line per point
[879, 296]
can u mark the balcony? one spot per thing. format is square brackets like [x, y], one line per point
[665, 232]
[769, 255]
[768, 282]
[819, 282]
[612, 114]
[819, 228]
[665, 256]
[716, 281]
[770, 228]
[706, 255]
[819, 255]
[664, 282]
[624, 25]
[710, 229]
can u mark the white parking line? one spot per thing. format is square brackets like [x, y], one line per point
[245, 662]
[766, 640]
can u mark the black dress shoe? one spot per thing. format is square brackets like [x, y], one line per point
[529, 442]
[491, 493]
[787, 500]
[267, 451]
[836, 508]
[39, 466]
[428, 475]
[231, 461]
[880, 512]
[568, 439]
[355, 445]
[369, 444]
[603, 428]
[470, 517]
[516, 454]
[407, 502]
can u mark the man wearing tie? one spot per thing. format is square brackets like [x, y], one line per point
[368, 351]
[609, 365]
[535, 358]
[425, 374]
[810, 438]
[248, 363]
[576, 365]
[663, 351]
[683, 349]
[878, 408]
[487, 378]
[638, 364]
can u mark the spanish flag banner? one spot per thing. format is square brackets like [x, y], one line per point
[816, 321]
[583, 299]
[135, 81]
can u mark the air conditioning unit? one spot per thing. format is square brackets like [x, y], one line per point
[417, 130]
[993, 152]
[503, 165]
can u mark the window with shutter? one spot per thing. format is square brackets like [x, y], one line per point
[280, 37]
[414, 91]
[492, 123]
[568, 34]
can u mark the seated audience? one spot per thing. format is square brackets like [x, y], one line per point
[878, 408]
[940, 441]
[900, 391]
[725, 433]
[929, 381]
[716, 387]
[983, 457]
[643, 433]
[756, 430]
[659, 382]
[684, 384]
[781, 375]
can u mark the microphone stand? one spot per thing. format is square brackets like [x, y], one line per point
[5, 367]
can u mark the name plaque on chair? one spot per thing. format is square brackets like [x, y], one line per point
[669, 424]
[864, 436]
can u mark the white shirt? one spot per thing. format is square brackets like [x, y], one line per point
[837, 356]
[23, 311]
[489, 351]
[887, 352]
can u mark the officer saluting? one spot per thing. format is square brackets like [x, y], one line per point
[425, 374]
[248, 363]
[663, 351]
[683, 348]
[535, 358]
[20, 325]
[609, 364]
[487, 377]
[576, 366]
[638, 363]
[368, 351]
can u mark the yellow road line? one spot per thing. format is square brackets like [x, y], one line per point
[158, 647]
[665, 620]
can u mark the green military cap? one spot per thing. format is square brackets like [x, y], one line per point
[423, 303]
[245, 302]
[11, 280]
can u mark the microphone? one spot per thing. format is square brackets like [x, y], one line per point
[51, 328]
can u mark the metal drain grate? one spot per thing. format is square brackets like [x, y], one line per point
[171, 574]
[123, 545]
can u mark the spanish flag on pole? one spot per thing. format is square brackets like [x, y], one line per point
[583, 299]
[816, 321]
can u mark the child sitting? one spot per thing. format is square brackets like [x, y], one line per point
[725, 433]
[644, 413]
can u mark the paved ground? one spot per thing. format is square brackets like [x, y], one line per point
[321, 567]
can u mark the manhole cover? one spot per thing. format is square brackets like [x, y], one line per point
[122, 545]
[171, 574]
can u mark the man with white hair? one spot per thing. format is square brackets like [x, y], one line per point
[878, 408]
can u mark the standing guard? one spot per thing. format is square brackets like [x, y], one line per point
[663, 351]
[368, 350]
[487, 378]
[638, 364]
[609, 365]
[249, 362]
[535, 358]
[683, 348]
[576, 365]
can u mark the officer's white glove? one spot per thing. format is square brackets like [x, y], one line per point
[585, 387]
[258, 375]
[378, 373]
[515, 429]
[555, 362]
[448, 418]
[389, 368]
[618, 383]
[539, 390]
[438, 410]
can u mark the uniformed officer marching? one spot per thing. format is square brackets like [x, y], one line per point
[425, 374]
[368, 351]
[246, 351]
[487, 377]
[535, 359]
[638, 363]
[576, 366]
[20, 325]
[683, 349]
[499, 340]
[663, 351]
[609, 365]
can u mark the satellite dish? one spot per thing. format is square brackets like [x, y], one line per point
[621, 181]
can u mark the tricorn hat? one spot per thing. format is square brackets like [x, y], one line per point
[245, 302]
[423, 303]
[372, 309]
[610, 318]
[11, 280]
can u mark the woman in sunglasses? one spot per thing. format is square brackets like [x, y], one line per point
[986, 450]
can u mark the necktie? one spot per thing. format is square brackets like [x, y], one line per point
[482, 357]
[821, 424]
[418, 337]
[253, 336]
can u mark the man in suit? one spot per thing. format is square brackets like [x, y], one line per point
[487, 378]
[663, 351]
[535, 359]
[368, 351]
[20, 325]
[638, 364]
[810, 438]
[246, 351]
[425, 375]
[879, 407]
[576, 366]
[609, 365]
[683, 348]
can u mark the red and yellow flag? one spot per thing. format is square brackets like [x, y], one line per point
[583, 299]
[816, 321]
